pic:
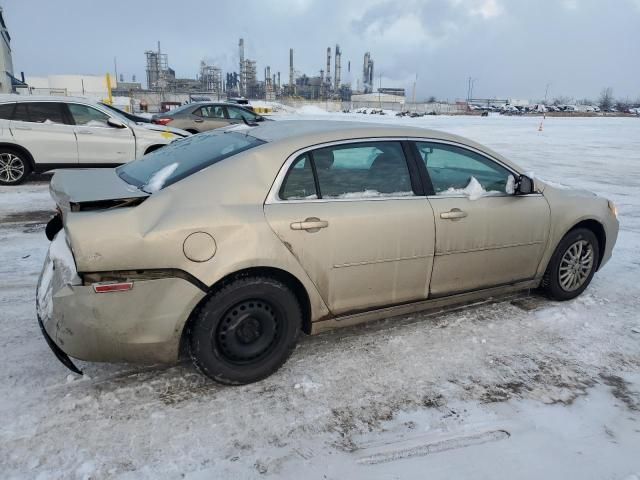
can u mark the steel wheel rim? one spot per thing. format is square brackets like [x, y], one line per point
[248, 332]
[11, 168]
[575, 266]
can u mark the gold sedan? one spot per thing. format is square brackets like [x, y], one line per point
[225, 246]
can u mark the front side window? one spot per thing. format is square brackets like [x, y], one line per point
[453, 169]
[238, 114]
[184, 157]
[88, 116]
[355, 170]
[39, 112]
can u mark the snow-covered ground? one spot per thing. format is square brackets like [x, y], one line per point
[519, 388]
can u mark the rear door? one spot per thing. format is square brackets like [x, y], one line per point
[98, 142]
[485, 234]
[44, 130]
[358, 223]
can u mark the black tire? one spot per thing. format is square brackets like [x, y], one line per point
[14, 167]
[245, 331]
[554, 282]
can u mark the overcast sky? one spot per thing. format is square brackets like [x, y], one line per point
[514, 48]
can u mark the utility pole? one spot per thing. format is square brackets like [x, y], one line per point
[413, 95]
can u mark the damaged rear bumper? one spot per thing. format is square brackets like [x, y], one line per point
[141, 325]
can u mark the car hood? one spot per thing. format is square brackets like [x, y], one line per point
[162, 128]
[81, 189]
[562, 189]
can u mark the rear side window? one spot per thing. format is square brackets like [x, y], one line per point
[355, 170]
[299, 183]
[183, 158]
[6, 111]
[39, 112]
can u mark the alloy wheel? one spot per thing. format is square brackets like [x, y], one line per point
[12, 168]
[576, 265]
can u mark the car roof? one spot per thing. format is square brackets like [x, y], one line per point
[298, 134]
[45, 98]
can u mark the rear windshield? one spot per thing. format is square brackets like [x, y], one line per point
[184, 157]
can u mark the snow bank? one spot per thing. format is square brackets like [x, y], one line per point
[158, 179]
[311, 110]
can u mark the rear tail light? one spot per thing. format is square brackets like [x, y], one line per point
[162, 121]
[112, 287]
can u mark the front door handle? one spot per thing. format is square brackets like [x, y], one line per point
[18, 127]
[311, 224]
[84, 132]
[453, 214]
[198, 120]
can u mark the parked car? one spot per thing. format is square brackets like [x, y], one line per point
[228, 244]
[241, 101]
[203, 116]
[38, 134]
[130, 116]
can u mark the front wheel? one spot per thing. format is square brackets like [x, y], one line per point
[572, 265]
[245, 331]
[14, 167]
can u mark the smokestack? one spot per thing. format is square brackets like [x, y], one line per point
[241, 86]
[292, 85]
[329, 67]
[278, 81]
[338, 55]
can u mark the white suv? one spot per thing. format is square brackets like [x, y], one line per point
[43, 133]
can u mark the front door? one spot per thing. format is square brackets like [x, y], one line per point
[99, 142]
[349, 214]
[485, 234]
[41, 128]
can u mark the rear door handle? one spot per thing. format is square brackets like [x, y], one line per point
[198, 120]
[17, 127]
[453, 214]
[84, 132]
[311, 224]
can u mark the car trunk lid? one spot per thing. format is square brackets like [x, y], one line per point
[93, 189]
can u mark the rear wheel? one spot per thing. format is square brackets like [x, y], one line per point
[14, 167]
[245, 331]
[572, 265]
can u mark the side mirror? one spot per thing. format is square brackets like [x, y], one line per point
[115, 123]
[524, 185]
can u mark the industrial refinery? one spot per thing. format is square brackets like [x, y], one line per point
[326, 84]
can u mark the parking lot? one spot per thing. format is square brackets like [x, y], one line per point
[462, 393]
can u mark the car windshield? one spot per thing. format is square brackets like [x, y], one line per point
[184, 157]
